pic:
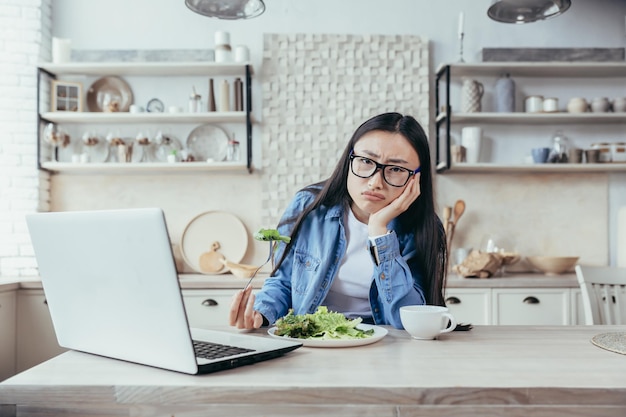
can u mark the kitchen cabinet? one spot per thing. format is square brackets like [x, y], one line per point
[523, 305]
[531, 306]
[592, 79]
[577, 312]
[160, 75]
[7, 334]
[36, 339]
[470, 305]
[207, 309]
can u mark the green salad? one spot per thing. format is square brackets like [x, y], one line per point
[322, 325]
[269, 235]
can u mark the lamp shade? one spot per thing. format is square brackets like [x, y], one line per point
[526, 11]
[227, 9]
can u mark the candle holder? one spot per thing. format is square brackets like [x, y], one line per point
[461, 36]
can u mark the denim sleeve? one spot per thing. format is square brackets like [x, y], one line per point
[397, 284]
[275, 299]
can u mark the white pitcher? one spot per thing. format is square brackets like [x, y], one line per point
[472, 95]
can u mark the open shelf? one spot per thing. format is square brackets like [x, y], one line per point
[142, 167]
[147, 68]
[93, 117]
[532, 168]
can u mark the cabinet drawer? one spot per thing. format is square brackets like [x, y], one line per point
[469, 305]
[531, 307]
[208, 308]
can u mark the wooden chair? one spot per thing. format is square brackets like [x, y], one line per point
[604, 294]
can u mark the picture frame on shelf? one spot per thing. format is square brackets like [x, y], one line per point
[66, 96]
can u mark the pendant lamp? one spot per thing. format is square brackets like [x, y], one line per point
[526, 11]
[227, 9]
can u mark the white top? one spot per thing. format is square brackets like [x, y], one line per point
[349, 293]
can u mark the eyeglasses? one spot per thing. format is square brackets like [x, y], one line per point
[394, 175]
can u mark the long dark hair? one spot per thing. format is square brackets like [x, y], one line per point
[420, 217]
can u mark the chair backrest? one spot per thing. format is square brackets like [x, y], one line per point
[603, 291]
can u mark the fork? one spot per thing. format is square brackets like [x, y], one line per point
[269, 257]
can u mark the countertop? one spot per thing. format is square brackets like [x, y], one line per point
[490, 370]
[229, 281]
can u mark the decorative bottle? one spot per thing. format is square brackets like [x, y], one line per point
[505, 95]
[211, 99]
[224, 96]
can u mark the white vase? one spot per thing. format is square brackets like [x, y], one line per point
[472, 95]
[471, 139]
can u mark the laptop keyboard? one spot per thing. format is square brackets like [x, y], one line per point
[208, 350]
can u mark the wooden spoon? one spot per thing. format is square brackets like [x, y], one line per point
[459, 209]
[447, 214]
[211, 261]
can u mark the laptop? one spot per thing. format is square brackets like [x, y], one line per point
[112, 288]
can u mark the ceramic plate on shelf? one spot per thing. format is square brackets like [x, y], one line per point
[109, 94]
[208, 142]
[379, 333]
[214, 226]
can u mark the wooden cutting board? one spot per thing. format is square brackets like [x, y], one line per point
[621, 237]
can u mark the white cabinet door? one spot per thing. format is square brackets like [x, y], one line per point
[578, 312]
[207, 309]
[7, 334]
[470, 305]
[531, 306]
[36, 340]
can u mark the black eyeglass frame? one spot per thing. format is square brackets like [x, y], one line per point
[381, 167]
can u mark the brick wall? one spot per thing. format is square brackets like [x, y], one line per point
[318, 88]
[25, 33]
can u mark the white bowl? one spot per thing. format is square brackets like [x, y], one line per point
[553, 265]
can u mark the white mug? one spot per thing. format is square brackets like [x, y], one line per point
[471, 139]
[426, 322]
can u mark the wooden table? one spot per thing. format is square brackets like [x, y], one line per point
[489, 371]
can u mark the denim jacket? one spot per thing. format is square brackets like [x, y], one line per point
[305, 276]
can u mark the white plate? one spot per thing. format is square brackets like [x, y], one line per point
[208, 142]
[379, 333]
[209, 227]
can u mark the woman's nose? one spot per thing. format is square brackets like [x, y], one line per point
[376, 180]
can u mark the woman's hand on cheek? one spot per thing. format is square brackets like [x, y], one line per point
[378, 221]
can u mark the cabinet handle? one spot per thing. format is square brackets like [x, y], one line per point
[453, 300]
[209, 302]
[531, 300]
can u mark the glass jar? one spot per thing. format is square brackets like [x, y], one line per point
[195, 102]
[604, 151]
[233, 150]
[619, 152]
[560, 144]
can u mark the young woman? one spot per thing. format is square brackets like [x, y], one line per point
[364, 242]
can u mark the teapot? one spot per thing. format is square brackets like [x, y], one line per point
[472, 94]
[577, 105]
[619, 105]
[600, 105]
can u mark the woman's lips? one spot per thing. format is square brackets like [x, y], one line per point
[372, 196]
